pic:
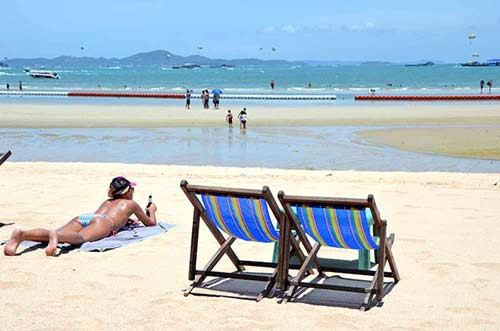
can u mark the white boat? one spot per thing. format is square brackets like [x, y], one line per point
[43, 74]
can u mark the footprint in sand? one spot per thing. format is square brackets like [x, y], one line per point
[463, 310]
[8, 285]
[123, 276]
[412, 240]
[77, 298]
[490, 266]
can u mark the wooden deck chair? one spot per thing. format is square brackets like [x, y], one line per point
[4, 156]
[241, 214]
[340, 223]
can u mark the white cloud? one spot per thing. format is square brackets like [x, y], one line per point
[289, 28]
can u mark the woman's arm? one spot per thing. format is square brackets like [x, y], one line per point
[141, 215]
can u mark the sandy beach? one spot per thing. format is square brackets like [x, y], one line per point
[67, 115]
[474, 142]
[445, 226]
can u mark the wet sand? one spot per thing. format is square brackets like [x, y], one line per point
[446, 227]
[67, 115]
[473, 142]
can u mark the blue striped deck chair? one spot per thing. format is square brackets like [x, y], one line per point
[243, 214]
[4, 156]
[343, 224]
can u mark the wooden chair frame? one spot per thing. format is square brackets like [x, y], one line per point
[198, 276]
[382, 255]
[4, 157]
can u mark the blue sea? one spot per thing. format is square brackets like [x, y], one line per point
[329, 148]
[341, 80]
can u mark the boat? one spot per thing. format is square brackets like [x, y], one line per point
[425, 64]
[186, 66]
[474, 64]
[42, 74]
[223, 66]
[493, 63]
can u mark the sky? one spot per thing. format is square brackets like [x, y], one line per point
[325, 30]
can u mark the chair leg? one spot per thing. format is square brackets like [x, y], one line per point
[369, 296]
[269, 286]
[391, 260]
[211, 264]
[382, 260]
[302, 272]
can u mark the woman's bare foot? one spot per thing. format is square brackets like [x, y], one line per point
[51, 248]
[14, 241]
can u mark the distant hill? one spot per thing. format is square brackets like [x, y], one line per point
[153, 58]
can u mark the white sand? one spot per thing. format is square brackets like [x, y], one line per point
[17, 115]
[446, 248]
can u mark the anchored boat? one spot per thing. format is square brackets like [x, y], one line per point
[43, 74]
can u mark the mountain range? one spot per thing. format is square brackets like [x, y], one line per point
[153, 58]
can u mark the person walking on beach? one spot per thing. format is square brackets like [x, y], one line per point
[188, 99]
[481, 85]
[272, 84]
[229, 118]
[243, 118]
[20, 86]
[490, 85]
[110, 217]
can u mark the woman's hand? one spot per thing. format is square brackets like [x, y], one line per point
[152, 207]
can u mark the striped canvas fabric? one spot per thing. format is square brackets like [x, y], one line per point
[337, 227]
[244, 218]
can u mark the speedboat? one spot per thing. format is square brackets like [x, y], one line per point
[187, 66]
[425, 64]
[474, 64]
[43, 74]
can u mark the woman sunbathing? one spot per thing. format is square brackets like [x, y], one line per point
[110, 217]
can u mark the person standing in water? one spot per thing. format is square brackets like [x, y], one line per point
[272, 84]
[20, 86]
[202, 97]
[243, 118]
[188, 99]
[206, 100]
[481, 85]
[490, 85]
[216, 100]
[8, 86]
[229, 118]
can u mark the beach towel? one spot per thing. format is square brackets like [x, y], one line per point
[126, 236]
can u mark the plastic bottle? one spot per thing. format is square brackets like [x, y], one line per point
[150, 201]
